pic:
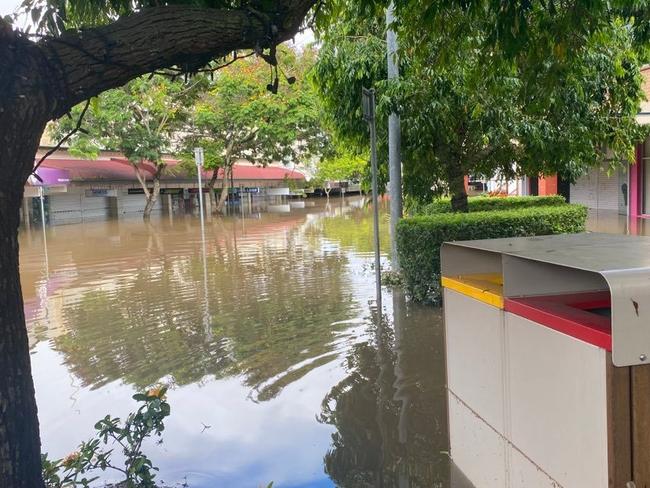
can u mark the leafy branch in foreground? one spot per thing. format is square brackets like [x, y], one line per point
[77, 469]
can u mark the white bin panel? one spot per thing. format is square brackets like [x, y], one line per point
[475, 363]
[525, 474]
[476, 449]
[558, 405]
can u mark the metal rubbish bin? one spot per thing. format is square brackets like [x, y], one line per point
[547, 344]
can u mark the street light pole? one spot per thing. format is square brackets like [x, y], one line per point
[394, 141]
[368, 97]
[41, 193]
[198, 159]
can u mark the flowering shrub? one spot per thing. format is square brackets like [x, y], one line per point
[76, 469]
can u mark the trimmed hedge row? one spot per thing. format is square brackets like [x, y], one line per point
[484, 204]
[419, 238]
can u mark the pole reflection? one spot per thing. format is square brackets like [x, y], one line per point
[390, 410]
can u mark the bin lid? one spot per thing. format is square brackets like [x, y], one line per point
[571, 263]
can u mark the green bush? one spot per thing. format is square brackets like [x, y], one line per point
[76, 469]
[483, 204]
[419, 238]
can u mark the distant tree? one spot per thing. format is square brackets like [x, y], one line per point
[239, 117]
[342, 166]
[141, 120]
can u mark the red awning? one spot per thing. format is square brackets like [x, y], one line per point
[119, 169]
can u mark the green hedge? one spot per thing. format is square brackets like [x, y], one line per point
[419, 238]
[483, 204]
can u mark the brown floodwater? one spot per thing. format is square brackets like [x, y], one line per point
[267, 334]
[278, 367]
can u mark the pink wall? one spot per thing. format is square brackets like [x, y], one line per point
[636, 184]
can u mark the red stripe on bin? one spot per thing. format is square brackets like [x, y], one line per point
[568, 314]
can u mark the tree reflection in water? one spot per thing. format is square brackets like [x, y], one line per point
[271, 305]
[390, 411]
[122, 306]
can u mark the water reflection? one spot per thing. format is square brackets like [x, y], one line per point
[263, 329]
[138, 334]
[390, 411]
[611, 222]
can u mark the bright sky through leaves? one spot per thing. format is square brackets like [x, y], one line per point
[7, 7]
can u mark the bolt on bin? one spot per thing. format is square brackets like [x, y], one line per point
[547, 344]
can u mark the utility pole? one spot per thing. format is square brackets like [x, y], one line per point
[199, 160]
[368, 103]
[394, 141]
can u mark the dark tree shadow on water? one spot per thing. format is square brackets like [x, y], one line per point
[390, 412]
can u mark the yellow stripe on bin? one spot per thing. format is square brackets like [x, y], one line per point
[487, 288]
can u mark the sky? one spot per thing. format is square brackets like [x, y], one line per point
[8, 6]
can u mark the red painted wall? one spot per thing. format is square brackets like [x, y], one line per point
[547, 185]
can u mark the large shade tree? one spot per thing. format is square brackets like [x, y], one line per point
[41, 79]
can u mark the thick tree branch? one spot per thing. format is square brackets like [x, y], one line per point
[85, 63]
[54, 149]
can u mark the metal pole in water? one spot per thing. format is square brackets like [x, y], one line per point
[198, 159]
[41, 192]
[369, 116]
[394, 141]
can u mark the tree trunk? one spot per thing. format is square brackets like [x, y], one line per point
[457, 190]
[152, 197]
[19, 439]
[227, 174]
[224, 189]
[41, 81]
[211, 183]
[21, 126]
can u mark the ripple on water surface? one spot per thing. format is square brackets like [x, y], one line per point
[277, 371]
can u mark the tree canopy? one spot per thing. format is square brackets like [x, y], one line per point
[141, 120]
[341, 166]
[469, 106]
[237, 117]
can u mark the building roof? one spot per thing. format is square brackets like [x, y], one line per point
[56, 171]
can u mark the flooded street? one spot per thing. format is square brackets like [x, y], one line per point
[278, 371]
